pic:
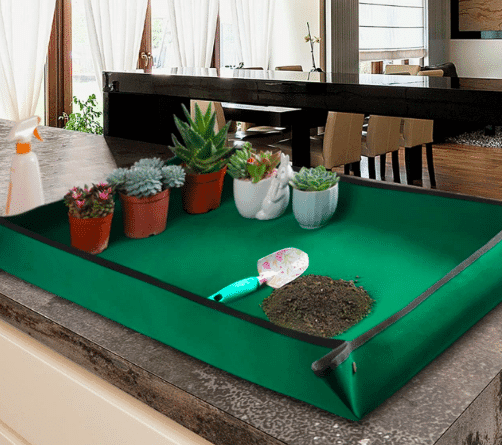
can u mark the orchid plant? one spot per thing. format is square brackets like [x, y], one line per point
[312, 40]
[94, 202]
[247, 163]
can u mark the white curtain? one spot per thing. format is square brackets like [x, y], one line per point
[25, 28]
[115, 29]
[193, 28]
[391, 29]
[253, 22]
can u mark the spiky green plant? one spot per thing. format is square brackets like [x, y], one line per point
[314, 179]
[204, 150]
[237, 163]
[247, 163]
[146, 177]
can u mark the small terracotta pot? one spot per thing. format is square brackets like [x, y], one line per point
[90, 234]
[144, 217]
[202, 193]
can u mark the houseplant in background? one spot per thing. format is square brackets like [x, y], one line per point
[312, 40]
[87, 120]
[144, 191]
[204, 156]
[252, 173]
[315, 196]
[90, 213]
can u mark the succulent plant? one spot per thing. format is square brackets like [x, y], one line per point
[247, 163]
[173, 176]
[94, 202]
[204, 150]
[314, 179]
[146, 177]
[143, 181]
[238, 162]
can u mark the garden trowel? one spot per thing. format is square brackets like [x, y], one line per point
[276, 269]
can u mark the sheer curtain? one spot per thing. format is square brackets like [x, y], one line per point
[115, 29]
[25, 28]
[193, 28]
[253, 21]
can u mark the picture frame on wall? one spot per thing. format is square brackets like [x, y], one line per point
[476, 19]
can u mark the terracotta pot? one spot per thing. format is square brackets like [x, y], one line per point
[202, 193]
[144, 217]
[90, 234]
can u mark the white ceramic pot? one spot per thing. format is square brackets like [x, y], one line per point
[314, 209]
[249, 197]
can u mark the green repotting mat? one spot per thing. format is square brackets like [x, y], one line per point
[398, 243]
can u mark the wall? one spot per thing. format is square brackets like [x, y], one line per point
[477, 58]
[290, 28]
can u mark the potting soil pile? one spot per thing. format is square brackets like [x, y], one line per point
[318, 305]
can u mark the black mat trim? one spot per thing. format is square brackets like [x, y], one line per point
[319, 341]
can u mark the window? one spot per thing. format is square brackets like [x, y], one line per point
[391, 29]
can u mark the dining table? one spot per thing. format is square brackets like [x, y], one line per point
[140, 106]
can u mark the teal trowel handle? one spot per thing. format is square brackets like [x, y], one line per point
[236, 290]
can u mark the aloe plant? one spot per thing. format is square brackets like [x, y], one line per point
[314, 179]
[204, 150]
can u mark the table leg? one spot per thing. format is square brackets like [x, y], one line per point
[413, 161]
[300, 142]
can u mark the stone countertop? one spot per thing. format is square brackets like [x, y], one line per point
[454, 399]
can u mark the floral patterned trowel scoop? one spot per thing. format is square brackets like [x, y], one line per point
[276, 269]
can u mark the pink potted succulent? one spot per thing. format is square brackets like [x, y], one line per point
[90, 213]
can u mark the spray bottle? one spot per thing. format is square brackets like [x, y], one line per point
[25, 187]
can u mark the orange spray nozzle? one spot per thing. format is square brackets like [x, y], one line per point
[22, 133]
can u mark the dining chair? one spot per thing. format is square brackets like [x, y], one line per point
[380, 138]
[341, 144]
[289, 68]
[401, 69]
[431, 73]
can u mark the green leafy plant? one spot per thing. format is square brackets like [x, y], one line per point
[246, 163]
[94, 202]
[147, 177]
[204, 150]
[314, 179]
[87, 120]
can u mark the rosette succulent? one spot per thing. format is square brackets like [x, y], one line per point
[246, 163]
[94, 202]
[314, 179]
[204, 151]
[147, 177]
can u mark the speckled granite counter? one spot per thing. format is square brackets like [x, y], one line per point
[454, 400]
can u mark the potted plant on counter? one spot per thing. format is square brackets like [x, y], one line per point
[252, 173]
[204, 156]
[315, 196]
[90, 213]
[144, 191]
